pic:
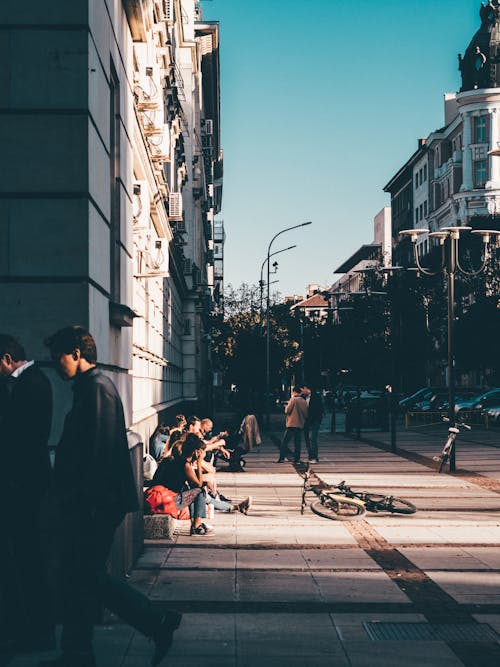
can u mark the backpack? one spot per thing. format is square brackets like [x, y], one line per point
[160, 500]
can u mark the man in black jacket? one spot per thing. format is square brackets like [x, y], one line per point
[95, 488]
[313, 423]
[25, 419]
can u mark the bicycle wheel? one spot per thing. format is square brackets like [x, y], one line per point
[338, 508]
[443, 462]
[400, 506]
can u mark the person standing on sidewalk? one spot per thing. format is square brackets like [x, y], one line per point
[296, 415]
[95, 488]
[313, 422]
[25, 420]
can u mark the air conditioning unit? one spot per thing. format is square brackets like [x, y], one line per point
[187, 267]
[209, 126]
[175, 206]
[153, 259]
[140, 204]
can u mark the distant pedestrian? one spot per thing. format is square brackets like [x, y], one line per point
[95, 488]
[296, 415]
[313, 421]
[25, 420]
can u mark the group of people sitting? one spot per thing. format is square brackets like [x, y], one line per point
[186, 469]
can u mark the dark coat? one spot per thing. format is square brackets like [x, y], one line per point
[315, 408]
[93, 471]
[25, 421]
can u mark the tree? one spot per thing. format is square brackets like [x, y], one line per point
[239, 343]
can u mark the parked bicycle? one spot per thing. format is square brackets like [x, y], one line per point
[449, 445]
[342, 503]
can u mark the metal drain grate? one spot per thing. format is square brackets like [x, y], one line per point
[468, 632]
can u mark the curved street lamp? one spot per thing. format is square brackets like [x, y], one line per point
[449, 239]
[261, 281]
[268, 333]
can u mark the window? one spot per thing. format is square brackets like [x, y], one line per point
[421, 211]
[425, 208]
[416, 215]
[114, 183]
[425, 172]
[416, 180]
[480, 173]
[480, 130]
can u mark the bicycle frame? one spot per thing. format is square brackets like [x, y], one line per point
[449, 445]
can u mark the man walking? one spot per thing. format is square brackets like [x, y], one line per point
[296, 415]
[95, 488]
[25, 420]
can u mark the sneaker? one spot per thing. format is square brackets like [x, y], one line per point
[203, 529]
[245, 505]
[280, 461]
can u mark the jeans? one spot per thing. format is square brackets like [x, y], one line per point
[196, 500]
[313, 447]
[86, 585]
[218, 504]
[296, 433]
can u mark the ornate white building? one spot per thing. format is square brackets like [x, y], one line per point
[110, 127]
[453, 180]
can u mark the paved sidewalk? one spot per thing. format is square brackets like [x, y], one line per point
[284, 589]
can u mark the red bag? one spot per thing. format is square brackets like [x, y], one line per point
[160, 500]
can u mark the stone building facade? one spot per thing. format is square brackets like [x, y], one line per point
[111, 177]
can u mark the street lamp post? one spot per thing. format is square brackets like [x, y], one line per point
[268, 331]
[261, 281]
[449, 239]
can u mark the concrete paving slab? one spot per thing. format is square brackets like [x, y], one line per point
[443, 559]
[326, 533]
[284, 639]
[277, 587]
[326, 559]
[358, 587]
[470, 587]
[152, 557]
[410, 535]
[490, 556]
[194, 559]
[192, 585]
[269, 559]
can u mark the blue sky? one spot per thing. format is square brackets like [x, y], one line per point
[322, 102]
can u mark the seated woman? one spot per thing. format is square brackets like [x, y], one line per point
[183, 474]
[159, 442]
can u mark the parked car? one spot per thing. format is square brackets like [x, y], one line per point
[479, 402]
[413, 402]
[493, 413]
[440, 400]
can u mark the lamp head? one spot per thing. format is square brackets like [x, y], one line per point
[486, 234]
[413, 233]
[439, 235]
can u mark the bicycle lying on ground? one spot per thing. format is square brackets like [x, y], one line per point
[449, 445]
[342, 503]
